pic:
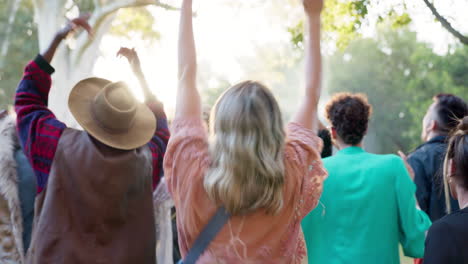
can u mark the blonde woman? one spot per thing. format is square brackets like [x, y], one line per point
[266, 177]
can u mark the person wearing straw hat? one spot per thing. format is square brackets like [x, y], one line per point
[94, 187]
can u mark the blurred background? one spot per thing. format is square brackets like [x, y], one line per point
[398, 52]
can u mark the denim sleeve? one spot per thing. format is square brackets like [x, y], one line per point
[423, 183]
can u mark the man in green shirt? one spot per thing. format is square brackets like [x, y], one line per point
[368, 204]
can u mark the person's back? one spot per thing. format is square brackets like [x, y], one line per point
[97, 214]
[94, 187]
[262, 177]
[359, 211]
[447, 240]
[427, 160]
[368, 203]
[256, 237]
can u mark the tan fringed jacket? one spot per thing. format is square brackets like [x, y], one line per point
[11, 229]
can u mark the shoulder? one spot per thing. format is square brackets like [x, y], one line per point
[72, 134]
[388, 164]
[426, 150]
[188, 128]
[332, 160]
[453, 221]
[390, 159]
[301, 139]
[441, 229]
[384, 160]
[189, 140]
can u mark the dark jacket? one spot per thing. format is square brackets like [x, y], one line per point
[427, 162]
[447, 240]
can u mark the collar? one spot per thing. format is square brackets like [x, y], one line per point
[437, 139]
[351, 151]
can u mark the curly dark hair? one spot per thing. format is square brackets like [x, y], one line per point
[349, 114]
[449, 109]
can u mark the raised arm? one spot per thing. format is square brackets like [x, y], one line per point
[134, 61]
[188, 99]
[307, 114]
[159, 141]
[72, 25]
[38, 129]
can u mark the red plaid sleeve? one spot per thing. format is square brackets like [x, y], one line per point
[38, 129]
[159, 141]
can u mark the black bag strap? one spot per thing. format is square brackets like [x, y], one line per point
[207, 235]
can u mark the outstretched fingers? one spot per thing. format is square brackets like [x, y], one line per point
[82, 22]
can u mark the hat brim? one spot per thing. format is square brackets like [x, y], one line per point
[80, 104]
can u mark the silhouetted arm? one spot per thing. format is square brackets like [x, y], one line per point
[188, 98]
[307, 114]
[134, 61]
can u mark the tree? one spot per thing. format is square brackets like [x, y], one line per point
[343, 20]
[446, 23]
[18, 41]
[400, 76]
[76, 59]
[77, 63]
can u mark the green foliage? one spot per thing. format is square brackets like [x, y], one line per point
[400, 76]
[23, 47]
[131, 21]
[84, 5]
[399, 21]
[297, 35]
[343, 19]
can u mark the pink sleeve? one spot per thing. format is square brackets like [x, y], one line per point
[306, 169]
[186, 157]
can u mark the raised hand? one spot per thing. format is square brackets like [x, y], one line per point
[188, 97]
[132, 58]
[408, 166]
[74, 24]
[307, 114]
[134, 61]
[313, 6]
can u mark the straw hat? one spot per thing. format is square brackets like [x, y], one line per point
[109, 112]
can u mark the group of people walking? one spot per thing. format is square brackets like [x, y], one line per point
[249, 189]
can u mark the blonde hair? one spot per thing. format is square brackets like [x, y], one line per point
[246, 144]
[457, 151]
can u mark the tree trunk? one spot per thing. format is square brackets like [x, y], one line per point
[13, 9]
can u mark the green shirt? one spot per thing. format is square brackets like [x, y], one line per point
[367, 208]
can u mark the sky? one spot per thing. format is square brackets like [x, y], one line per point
[226, 33]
